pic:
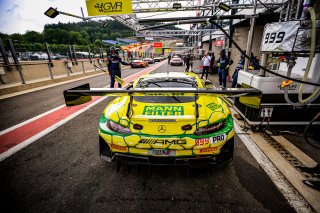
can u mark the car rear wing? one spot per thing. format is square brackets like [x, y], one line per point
[82, 94]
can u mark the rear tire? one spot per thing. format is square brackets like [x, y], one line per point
[104, 148]
[226, 153]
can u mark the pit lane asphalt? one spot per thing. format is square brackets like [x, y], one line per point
[62, 172]
[23, 107]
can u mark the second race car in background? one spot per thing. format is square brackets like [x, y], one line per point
[176, 60]
[139, 63]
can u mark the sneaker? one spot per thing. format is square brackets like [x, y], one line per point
[220, 86]
[315, 184]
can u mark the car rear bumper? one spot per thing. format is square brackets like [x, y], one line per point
[176, 63]
[225, 155]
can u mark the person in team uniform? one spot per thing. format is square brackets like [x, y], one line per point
[114, 66]
[224, 63]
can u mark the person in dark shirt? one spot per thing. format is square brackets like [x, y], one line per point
[235, 74]
[213, 58]
[114, 66]
[223, 63]
[187, 62]
[169, 58]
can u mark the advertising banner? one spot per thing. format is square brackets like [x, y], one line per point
[109, 7]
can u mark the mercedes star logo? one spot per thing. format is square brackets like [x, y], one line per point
[162, 129]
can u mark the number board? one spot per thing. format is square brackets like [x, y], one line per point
[279, 37]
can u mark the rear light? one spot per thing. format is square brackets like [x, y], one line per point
[210, 128]
[186, 127]
[117, 127]
[137, 127]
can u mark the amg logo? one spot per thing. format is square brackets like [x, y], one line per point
[162, 141]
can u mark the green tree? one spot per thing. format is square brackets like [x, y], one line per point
[115, 35]
[33, 36]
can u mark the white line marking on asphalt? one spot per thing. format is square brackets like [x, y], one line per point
[59, 107]
[30, 120]
[27, 142]
[288, 191]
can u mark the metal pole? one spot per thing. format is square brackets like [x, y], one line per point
[94, 65]
[89, 54]
[264, 60]
[4, 56]
[83, 67]
[70, 53]
[67, 67]
[48, 53]
[50, 71]
[74, 54]
[16, 61]
[250, 36]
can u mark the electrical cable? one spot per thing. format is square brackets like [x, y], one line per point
[237, 46]
[259, 66]
[312, 51]
[316, 94]
[306, 131]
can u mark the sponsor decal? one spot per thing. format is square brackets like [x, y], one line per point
[120, 148]
[109, 7]
[210, 149]
[218, 138]
[162, 152]
[162, 141]
[163, 110]
[213, 106]
[202, 141]
[290, 87]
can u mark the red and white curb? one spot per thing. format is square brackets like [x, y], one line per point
[21, 135]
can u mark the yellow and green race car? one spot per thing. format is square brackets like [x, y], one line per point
[156, 129]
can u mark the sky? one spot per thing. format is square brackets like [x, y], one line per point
[19, 16]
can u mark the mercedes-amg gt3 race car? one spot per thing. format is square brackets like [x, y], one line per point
[167, 129]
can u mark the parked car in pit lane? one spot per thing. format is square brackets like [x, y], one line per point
[149, 60]
[157, 59]
[139, 63]
[167, 129]
[176, 61]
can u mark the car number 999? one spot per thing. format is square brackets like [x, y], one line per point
[274, 37]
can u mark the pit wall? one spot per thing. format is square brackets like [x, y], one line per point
[39, 70]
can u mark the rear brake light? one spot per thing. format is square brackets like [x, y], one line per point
[137, 126]
[186, 127]
[210, 128]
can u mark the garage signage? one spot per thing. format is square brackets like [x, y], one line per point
[288, 36]
[109, 7]
[219, 43]
[279, 37]
[157, 45]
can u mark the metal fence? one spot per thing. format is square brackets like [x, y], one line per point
[21, 65]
